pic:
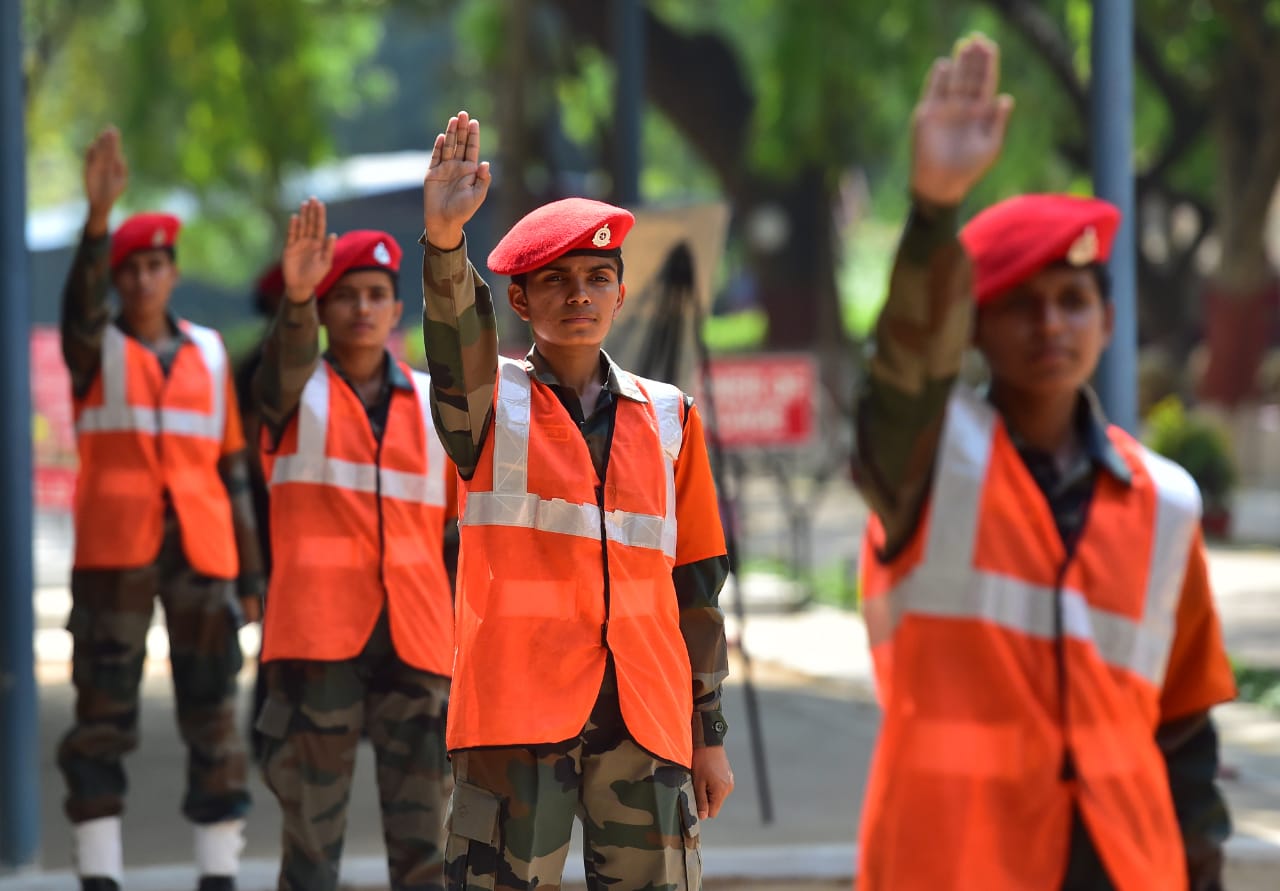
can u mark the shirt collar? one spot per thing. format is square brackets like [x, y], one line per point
[395, 376]
[175, 329]
[1092, 425]
[616, 381]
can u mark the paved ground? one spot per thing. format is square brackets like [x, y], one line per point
[812, 677]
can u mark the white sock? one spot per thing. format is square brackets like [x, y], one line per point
[218, 847]
[98, 849]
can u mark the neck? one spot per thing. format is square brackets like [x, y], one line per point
[1044, 422]
[360, 364]
[577, 367]
[148, 329]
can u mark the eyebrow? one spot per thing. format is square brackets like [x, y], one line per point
[557, 267]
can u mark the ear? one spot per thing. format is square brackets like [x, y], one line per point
[397, 310]
[1108, 321]
[622, 296]
[519, 300]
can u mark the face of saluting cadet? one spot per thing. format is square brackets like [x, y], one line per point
[361, 310]
[572, 301]
[1047, 334]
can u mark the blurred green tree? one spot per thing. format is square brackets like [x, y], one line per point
[1207, 153]
[221, 98]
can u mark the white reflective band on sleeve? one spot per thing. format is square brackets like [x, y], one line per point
[511, 504]
[117, 419]
[214, 354]
[1178, 510]
[511, 429]
[960, 472]
[435, 480]
[310, 464]
[947, 586]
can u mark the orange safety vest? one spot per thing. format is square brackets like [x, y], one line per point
[556, 567]
[355, 524]
[142, 433]
[971, 784]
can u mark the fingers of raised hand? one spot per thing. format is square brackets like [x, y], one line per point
[976, 69]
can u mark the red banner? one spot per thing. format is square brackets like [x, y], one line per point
[764, 401]
[52, 426]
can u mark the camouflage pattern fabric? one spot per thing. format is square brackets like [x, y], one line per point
[512, 812]
[110, 614]
[313, 718]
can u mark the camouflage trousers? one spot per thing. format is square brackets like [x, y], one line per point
[110, 613]
[312, 721]
[512, 813]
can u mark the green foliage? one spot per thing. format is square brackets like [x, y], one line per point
[736, 332]
[1257, 685]
[218, 100]
[1197, 444]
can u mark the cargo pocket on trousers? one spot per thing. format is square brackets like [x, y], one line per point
[274, 719]
[473, 849]
[692, 842]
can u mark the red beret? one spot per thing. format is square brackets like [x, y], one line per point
[555, 229]
[361, 249]
[1011, 241]
[271, 282]
[144, 232]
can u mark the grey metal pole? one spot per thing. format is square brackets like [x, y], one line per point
[1111, 137]
[19, 737]
[628, 53]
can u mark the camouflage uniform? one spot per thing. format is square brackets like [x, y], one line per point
[111, 612]
[312, 721]
[921, 338]
[316, 712]
[640, 824]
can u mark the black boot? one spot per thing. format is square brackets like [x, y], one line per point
[217, 883]
[98, 883]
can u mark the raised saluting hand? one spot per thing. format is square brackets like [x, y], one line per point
[959, 123]
[456, 182]
[308, 251]
[106, 173]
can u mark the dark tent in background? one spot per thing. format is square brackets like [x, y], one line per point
[671, 259]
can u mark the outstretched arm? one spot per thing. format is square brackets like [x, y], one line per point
[85, 313]
[459, 330]
[957, 132]
[292, 348]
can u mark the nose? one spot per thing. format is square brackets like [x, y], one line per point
[578, 292]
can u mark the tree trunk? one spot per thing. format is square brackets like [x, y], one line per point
[696, 81]
[1240, 304]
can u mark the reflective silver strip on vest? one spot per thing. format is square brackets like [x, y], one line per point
[511, 504]
[945, 585]
[311, 464]
[117, 415]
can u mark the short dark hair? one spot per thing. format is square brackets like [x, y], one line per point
[1101, 275]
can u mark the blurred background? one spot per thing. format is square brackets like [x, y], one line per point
[767, 139]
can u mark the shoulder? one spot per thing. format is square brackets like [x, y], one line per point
[1174, 486]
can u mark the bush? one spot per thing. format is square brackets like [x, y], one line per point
[1196, 443]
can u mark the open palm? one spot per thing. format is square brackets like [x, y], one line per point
[959, 124]
[106, 172]
[456, 182]
[308, 251]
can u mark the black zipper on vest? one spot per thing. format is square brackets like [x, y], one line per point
[377, 494]
[604, 557]
[1067, 771]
